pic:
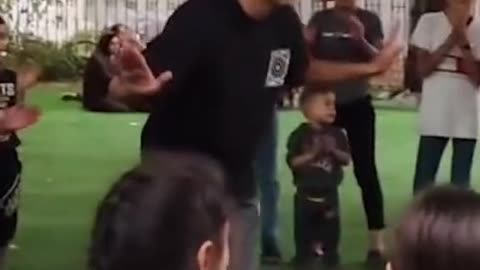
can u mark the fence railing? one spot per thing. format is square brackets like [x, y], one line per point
[62, 20]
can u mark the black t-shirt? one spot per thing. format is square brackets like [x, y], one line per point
[324, 172]
[334, 42]
[228, 69]
[8, 98]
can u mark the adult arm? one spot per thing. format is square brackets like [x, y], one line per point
[372, 39]
[429, 58]
[469, 64]
[166, 60]
[27, 77]
[17, 118]
[305, 67]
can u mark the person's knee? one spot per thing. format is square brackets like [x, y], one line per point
[367, 177]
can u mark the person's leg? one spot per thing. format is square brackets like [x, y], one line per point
[8, 227]
[463, 151]
[301, 229]
[430, 151]
[331, 230]
[244, 224]
[360, 127]
[3, 257]
[265, 173]
[9, 197]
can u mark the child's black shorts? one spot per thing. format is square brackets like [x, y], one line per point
[9, 194]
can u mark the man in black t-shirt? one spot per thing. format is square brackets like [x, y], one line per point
[350, 34]
[219, 65]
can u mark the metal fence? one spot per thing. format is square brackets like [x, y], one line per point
[62, 20]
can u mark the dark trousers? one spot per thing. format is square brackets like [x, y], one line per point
[9, 194]
[266, 174]
[316, 224]
[358, 119]
[430, 151]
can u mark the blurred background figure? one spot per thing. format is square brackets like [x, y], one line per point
[100, 70]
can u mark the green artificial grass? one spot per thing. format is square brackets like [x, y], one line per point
[72, 157]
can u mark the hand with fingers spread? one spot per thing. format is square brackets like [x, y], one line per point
[459, 21]
[17, 118]
[134, 75]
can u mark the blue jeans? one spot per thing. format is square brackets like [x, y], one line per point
[265, 173]
[430, 151]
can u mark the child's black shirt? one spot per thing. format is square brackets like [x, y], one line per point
[324, 172]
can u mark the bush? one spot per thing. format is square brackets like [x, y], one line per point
[58, 62]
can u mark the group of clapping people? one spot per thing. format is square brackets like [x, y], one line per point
[173, 212]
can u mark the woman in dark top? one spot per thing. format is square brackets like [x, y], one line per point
[99, 71]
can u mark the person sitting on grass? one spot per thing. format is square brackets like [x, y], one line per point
[100, 70]
[14, 116]
[440, 231]
[170, 213]
[317, 151]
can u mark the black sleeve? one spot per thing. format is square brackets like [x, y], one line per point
[295, 143]
[178, 47]
[95, 83]
[374, 30]
[299, 57]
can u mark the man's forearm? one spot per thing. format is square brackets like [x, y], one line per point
[370, 49]
[428, 63]
[117, 89]
[470, 66]
[328, 71]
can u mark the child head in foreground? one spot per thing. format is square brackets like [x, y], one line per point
[440, 231]
[168, 213]
[318, 104]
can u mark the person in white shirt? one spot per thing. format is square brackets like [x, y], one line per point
[448, 49]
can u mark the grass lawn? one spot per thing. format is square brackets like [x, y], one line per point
[72, 157]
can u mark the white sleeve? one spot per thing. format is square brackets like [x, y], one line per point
[420, 37]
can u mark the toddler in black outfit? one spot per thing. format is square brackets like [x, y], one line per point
[317, 151]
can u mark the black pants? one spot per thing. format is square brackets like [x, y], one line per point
[358, 119]
[316, 224]
[9, 194]
[430, 151]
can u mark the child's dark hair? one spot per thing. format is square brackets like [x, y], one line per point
[313, 89]
[441, 231]
[2, 21]
[159, 214]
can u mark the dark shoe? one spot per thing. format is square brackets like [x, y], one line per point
[306, 263]
[375, 260]
[331, 261]
[71, 97]
[271, 255]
